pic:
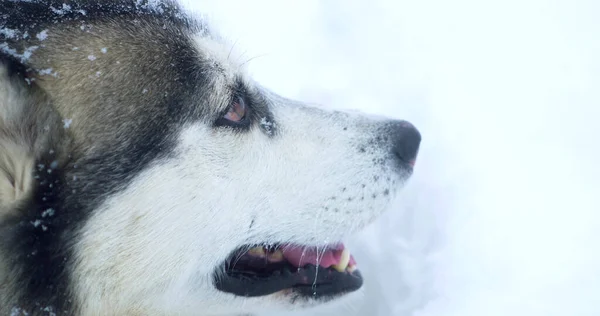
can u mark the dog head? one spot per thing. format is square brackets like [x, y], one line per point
[175, 183]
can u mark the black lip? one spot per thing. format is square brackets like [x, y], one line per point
[249, 277]
[307, 281]
[329, 282]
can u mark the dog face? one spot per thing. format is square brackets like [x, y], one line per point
[202, 190]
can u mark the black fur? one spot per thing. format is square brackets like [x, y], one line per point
[29, 17]
[39, 238]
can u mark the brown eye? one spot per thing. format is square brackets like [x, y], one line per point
[237, 110]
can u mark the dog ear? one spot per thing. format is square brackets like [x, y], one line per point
[28, 128]
[16, 168]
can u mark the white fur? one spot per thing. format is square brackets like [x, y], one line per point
[152, 249]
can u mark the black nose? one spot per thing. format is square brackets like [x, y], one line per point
[405, 141]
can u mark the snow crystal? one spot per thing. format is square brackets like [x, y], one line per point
[103, 50]
[48, 213]
[42, 35]
[65, 9]
[48, 71]
[16, 311]
[28, 51]
[4, 47]
[75, 48]
[49, 310]
[91, 57]
[267, 125]
[98, 73]
[9, 33]
[145, 91]
[13, 52]
[36, 223]
[54, 164]
[67, 123]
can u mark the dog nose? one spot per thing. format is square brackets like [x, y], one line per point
[405, 141]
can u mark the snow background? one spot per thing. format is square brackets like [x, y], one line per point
[501, 216]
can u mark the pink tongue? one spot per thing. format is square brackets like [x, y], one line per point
[300, 256]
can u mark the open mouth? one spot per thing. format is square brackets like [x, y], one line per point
[259, 270]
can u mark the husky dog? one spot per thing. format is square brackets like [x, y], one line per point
[142, 172]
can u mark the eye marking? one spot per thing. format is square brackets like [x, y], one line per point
[237, 110]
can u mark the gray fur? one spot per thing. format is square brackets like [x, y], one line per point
[119, 194]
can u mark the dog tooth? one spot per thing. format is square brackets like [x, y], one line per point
[276, 256]
[257, 252]
[344, 260]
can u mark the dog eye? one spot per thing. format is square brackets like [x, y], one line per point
[237, 111]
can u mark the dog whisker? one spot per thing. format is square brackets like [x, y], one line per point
[251, 59]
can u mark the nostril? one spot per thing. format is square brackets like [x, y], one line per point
[406, 141]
